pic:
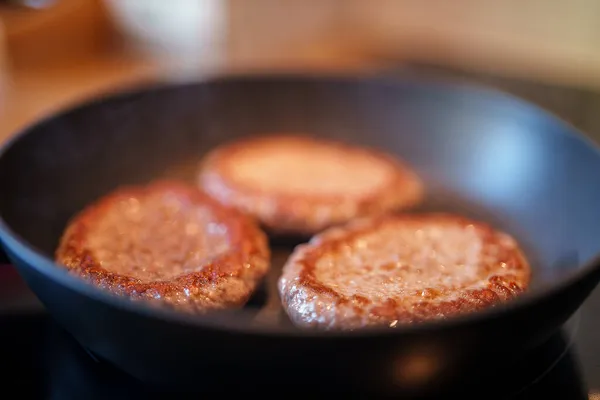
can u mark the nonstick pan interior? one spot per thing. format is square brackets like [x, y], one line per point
[483, 154]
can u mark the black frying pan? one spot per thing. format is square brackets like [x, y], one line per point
[480, 153]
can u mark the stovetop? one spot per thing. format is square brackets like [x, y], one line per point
[41, 361]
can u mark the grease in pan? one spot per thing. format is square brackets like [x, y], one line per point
[167, 243]
[400, 269]
[298, 185]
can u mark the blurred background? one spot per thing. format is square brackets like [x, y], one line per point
[55, 52]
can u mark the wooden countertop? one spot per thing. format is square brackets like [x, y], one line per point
[350, 36]
[30, 94]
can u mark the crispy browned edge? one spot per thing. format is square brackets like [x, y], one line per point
[307, 215]
[247, 262]
[307, 286]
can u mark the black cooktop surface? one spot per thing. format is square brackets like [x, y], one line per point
[43, 362]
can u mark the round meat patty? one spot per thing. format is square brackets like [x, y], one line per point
[168, 243]
[298, 185]
[400, 269]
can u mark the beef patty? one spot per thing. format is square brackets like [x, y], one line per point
[168, 243]
[299, 185]
[400, 269]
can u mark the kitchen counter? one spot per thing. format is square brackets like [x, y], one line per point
[33, 93]
[67, 52]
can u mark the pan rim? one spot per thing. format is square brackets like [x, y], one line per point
[44, 265]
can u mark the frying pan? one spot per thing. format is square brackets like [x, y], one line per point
[480, 152]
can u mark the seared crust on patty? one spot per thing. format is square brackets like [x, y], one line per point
[400, 269]
[167, 243]
[296, 185]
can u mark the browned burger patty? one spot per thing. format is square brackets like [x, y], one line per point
[301, 185]
[400, 269]
[168, 243]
